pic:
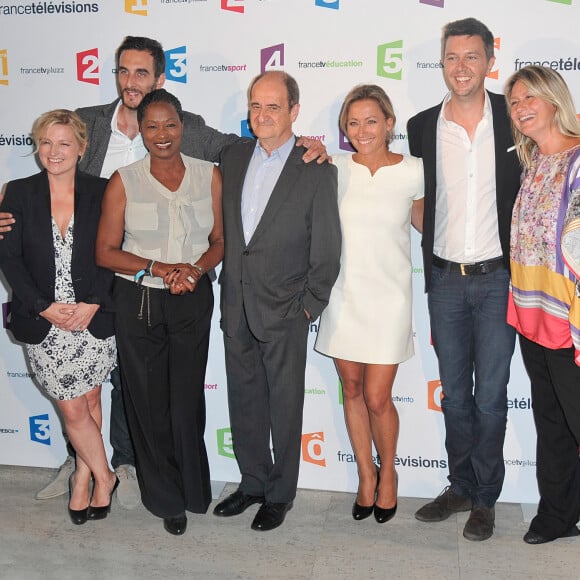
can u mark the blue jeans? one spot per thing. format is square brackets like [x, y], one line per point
[474, 347]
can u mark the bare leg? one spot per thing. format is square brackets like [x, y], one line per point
[82, 417]
[384, 422]
[357, 419]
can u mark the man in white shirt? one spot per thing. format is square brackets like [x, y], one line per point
[471, 180]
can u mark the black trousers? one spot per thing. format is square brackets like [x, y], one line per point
[555, 382]
[163, 342]
[266, 399]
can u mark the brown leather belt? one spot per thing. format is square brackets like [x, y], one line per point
[477, 269]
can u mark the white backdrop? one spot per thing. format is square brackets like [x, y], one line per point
[60, 53]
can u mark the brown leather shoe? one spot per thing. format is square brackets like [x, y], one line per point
[480, 524]
[444, 505]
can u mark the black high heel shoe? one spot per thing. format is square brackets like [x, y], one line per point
[361, 512]
[383, 515]
[77, 517]
[101, 512]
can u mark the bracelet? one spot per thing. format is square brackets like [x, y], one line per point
[198, 268]
[149, 268]
[139, 277]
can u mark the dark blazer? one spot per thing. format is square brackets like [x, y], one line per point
[293, 258]
[422, 132]
[27, 255]
[198, 139]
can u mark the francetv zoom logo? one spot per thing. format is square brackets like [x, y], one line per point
[39, 429]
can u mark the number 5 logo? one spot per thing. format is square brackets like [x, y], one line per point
[88, 66]
[40, 429]
[390, 60]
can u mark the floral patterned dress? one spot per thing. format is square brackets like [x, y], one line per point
[69, 364]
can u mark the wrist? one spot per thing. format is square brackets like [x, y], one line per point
[199, 268]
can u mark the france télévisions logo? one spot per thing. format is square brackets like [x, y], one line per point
[272, 58]
[437, 3]
[88, 66]
[334, 4]
[234, 5]
[313, 448]
[39, 429]
[3, 67]
[176, 67]
[136, 7]
[390, 60]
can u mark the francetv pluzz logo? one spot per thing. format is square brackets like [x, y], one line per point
[136, 7]
[272, 58]
[390, 60]
[88, 66]
[313, 448]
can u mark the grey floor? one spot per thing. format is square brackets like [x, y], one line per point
[319, 540]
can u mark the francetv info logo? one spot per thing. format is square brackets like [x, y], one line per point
[136, 7]
[272, 58]
[313, 448]
[390, 60]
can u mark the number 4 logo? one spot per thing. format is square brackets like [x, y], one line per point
[88, 66]
[390, 60]
[272, 58]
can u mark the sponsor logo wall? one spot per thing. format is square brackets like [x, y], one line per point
[214, 48]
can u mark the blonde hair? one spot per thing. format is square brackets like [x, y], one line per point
[59, 117]
[546, 84]
[364, 92]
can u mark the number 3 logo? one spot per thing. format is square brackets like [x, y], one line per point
[40, 429]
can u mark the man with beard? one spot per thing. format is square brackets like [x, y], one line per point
[114, 141]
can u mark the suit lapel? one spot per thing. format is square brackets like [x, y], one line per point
[282, 189]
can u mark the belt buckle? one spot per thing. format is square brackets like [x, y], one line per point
[462, 269]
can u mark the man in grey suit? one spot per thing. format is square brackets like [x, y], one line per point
[282, 251]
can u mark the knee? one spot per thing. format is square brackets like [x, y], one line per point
[379, 403]
[352, 389]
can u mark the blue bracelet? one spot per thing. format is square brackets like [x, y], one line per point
[139, 277]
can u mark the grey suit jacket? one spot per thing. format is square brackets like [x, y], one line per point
[293, 258]
[422, 132]
[198, 139]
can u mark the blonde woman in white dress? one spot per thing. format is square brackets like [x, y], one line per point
[366, 327]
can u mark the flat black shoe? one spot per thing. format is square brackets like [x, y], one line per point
[236, 503]
[361, 512]
[535, 538]
[77, 517]
[101, 512]
[176, 525]
[270, 516]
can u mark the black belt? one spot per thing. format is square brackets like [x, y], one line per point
[476, 269]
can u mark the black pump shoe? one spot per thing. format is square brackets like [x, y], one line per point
[383, 515]
[77, 517]
[101, 512]
[362, 512]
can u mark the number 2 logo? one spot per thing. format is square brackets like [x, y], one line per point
[88, 66]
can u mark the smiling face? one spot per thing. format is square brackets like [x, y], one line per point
[367, 127]
[59, 150]
[136, 77]
[465, 66]
[271, 116]
[161, 130]
[531, 115]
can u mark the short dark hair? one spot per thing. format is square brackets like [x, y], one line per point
[468, 27]
[142, 43]
[159, 96]
[290, 82]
